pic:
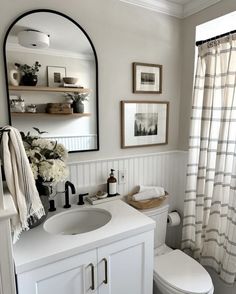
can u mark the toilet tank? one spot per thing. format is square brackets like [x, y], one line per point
[159, 215]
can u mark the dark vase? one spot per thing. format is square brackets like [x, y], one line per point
[29, 80]
[78, 107]
[44, 190]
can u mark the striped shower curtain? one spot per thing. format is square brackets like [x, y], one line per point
[209, 225]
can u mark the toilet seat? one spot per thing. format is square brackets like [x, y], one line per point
[181, 274]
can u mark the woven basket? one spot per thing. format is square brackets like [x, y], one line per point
[146, 204]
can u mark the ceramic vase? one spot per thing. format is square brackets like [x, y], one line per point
[14, 77]
[78, 107]
[45, 190]
[29, 80]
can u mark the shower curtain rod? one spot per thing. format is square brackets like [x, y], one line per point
[214, 38]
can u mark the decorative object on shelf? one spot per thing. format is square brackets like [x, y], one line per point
[47, 160]
[147, 78]
[55, 75]
[144, 123]
[70, 80]
[31, 108]
[78, 99]
[63, 108]
[14, 76]
[17, 104]
[29, 77]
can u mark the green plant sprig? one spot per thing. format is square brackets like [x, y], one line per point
[27, 69]
[78, 97]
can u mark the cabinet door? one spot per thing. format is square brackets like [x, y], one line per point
[126, 267]
[73, 275]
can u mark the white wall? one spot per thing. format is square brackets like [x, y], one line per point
[216, 26]
[121, 34]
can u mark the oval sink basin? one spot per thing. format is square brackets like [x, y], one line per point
[77, 221]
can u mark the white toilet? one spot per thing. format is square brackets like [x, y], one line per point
[174, 271]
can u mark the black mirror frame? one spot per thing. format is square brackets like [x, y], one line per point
[96, 63]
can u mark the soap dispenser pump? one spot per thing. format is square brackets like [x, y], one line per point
[112, 184]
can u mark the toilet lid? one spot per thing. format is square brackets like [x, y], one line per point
[182, 272]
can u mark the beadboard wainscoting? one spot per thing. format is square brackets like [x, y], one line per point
[85, 142]
[167, 169]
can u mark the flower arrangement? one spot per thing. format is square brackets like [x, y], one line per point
[47, 158]
[27, 69]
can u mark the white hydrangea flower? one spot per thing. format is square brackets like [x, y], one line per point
[53, 170]
[34, 168]
[61, 150]
[47, 159]
[44, 143]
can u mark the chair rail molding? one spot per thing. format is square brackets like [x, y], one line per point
[177, 8]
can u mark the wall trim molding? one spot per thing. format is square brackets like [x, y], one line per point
[49, 51]
[171, 8]
[128, 157]
[196, 6]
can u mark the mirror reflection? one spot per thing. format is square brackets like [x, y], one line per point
[52, 80]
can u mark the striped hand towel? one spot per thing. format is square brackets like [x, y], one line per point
[20, 181]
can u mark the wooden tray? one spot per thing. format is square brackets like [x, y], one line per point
[58, 105]
[59, 110]
[146, 204]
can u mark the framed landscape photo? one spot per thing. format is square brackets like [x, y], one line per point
[147, 78]
[144, 123]
[55, 76]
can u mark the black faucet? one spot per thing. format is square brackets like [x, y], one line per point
[67, 185]
[81, 198]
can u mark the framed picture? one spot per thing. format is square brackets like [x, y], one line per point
[147, 78]
[144, 123]
[55, 75]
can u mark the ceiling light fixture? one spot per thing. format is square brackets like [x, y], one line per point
[33, 39]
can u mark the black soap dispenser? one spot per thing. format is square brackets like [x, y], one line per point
[112, 184]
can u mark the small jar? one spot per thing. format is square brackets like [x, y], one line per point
[31, 108]
[17, 105]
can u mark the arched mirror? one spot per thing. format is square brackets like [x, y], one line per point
[52, 82]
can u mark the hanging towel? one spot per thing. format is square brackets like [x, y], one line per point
[148, 192]
[20, 181]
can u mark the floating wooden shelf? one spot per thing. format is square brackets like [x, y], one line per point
[49, 114]
[47, 89]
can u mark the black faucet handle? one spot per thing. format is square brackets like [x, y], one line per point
[81, 198]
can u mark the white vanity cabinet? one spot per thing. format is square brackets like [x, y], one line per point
[126, 267]
[72, 275]
[122, 267]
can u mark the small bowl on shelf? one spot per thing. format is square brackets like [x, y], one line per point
[70, 80]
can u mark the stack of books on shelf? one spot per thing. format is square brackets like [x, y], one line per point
[72, 86]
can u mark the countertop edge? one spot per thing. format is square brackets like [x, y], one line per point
[82, 249]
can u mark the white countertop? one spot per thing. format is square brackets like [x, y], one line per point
[36, 247]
